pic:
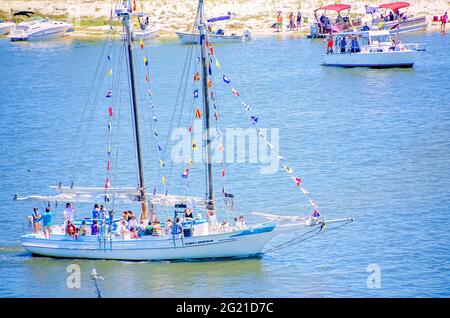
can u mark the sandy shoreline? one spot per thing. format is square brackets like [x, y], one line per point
[90, 17]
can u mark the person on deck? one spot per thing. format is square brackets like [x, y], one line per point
[444, 20]
[330, 44]
[83, 230]
[121, 227]
[242, 222]
[36, 217]
[96, 212]
[188, 216]
[212, 220]
[279, 22]
[71, 230]
[177, 228]
[133, 227]
[343, 45]
[141, 228]
[103, 212]
[95, 228]
[148, 229]
[339, 19]
[168, 226]
[47, 222]
[354, 45]
[365, 27]
[391, 16]
[69, 213]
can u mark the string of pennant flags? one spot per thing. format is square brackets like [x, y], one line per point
[110, 122]
[197, 115]
[154, 119]
[254, 120]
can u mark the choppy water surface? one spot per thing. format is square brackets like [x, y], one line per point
[372, 144]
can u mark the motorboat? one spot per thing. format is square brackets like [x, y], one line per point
[217, 36]
[5, 27]
[323, 25]
[391, 18]
[375, 48]
[38, 28]
[142, 30]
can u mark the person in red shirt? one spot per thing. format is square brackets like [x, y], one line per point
[330, 45]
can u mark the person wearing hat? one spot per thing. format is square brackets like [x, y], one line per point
[36, 217]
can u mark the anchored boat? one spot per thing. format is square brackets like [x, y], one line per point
[219, 36]
[374, 49]
[37, 28]
[184, 237]
[324, 25]
[401, 22]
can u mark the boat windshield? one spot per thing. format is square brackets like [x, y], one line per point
[380, 39]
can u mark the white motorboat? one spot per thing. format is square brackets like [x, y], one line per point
[38, 29]
[144, 34]
[219, 36]
[373, 49]
[192, 238]
[193, 38]
[5, 27]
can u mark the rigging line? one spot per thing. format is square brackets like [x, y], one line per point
[310, 198]
[187, 62]
[185, 76]
[320, 230]
[115, 137]
[94, 105]
[152, 114]
[79, 132]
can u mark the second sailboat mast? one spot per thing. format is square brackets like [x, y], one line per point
[209, 164]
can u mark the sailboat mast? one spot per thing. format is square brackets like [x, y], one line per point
[206, 109]
[135, 115]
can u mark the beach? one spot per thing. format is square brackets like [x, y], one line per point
[91, 17]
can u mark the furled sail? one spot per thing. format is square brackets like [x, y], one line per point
[120, 195]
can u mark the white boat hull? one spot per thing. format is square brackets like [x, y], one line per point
[39, 34]
[410, 25]
[243, 243]
[372, 59]
[194, 38]
[144, 35]
[5, 27]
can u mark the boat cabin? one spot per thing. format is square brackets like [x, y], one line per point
[362, 42]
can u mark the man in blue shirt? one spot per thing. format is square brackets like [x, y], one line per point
[355, 45]
[342, 45]
[47, 222]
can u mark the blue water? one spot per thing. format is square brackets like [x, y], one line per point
[371, 144]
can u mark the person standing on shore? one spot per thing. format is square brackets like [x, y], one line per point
[279, 22]
[292, 21]
[299, 20]
[444, 19]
